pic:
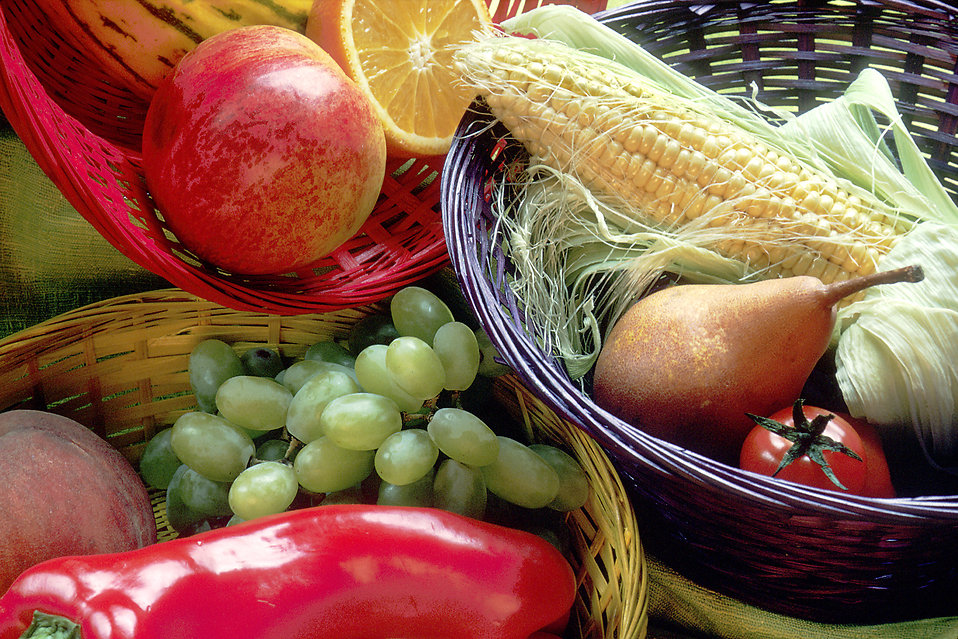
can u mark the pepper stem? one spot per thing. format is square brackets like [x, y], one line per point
[47, 626]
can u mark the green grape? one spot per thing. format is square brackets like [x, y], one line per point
[374, 377]
[262, 362]
[211, 446]
[520, 476]
[274, 450]
[323, 467]
[303, 418]
[406, 456]
[460, 488]
[256, 403]
[298, 373]
[265, 488]
[372, 329]
[418, 312]
[330, 351]
[305, 369]
[211, 363]
[573, 482]
[204, 495]
[360, 421]
[457, 348]
[234, 520]
[417, 493]
[488, 356]
[181, 517]
[257, 435]
[464, 437]
[159, 462]
[415, 367]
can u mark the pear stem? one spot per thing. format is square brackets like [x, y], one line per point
[836, 291]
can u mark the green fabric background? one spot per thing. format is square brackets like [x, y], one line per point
[52, 261]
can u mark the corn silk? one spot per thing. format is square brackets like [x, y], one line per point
[581, 258]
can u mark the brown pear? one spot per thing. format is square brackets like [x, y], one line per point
[686, 363]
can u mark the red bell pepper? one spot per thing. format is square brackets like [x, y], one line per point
[350, 571]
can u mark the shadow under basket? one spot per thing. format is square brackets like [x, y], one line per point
[786, 548]
[120, 367]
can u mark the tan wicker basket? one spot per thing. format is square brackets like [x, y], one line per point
[120, 367]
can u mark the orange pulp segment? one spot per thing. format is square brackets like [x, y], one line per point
[400, 55]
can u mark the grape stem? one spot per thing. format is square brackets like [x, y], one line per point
[293, 445]
[288, 455]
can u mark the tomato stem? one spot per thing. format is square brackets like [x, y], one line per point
[808, 440]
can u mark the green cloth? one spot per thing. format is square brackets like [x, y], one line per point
[677, 606]
[51, 259]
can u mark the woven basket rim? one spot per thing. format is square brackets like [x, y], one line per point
[787, 548]
[548, 378]
[550, 381]
[102, 179]
[610, 562]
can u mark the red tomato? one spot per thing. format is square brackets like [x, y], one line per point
[763, 451]
[877, 475]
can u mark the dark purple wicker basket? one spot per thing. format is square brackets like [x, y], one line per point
[798, 551]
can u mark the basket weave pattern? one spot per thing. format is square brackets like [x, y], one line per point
[120, 367]
[798, 551]
[85, 135]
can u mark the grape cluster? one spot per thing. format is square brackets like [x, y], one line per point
[380, 419]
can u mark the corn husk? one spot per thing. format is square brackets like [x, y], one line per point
[581, 260]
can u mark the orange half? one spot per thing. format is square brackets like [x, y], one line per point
[400, 55]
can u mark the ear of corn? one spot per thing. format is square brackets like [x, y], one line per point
[841, 136]
[676, 167]
[634, 170]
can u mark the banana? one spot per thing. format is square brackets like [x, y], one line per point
[138, 42]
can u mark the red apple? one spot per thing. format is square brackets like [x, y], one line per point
[261, 154]
[64, 491]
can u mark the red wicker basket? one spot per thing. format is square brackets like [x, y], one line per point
[85, 135]
[799, 551]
